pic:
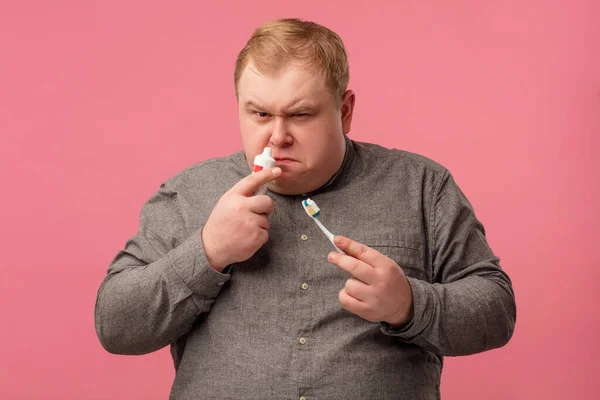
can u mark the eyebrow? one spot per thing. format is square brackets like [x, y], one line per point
[251, 104]
[293, 108]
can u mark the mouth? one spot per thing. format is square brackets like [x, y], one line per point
[283, 160]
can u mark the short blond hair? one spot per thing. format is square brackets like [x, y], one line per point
[275, 44]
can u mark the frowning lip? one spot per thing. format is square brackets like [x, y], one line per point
[283, 159]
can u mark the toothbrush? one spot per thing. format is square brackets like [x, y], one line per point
[314, 211]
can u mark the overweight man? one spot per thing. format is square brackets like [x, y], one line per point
[251, 296]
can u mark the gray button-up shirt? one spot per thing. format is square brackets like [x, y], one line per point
[272, 326]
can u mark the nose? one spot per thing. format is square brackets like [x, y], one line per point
[279, 134]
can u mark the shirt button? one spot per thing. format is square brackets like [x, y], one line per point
[304, 237]
[302, 340]
[304, 286]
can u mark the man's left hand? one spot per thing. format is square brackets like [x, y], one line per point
[378, 290]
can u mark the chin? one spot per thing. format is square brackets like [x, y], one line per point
[285, 186]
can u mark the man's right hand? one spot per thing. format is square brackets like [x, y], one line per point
[238, 225]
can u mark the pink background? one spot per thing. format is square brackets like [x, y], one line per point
[99, 103]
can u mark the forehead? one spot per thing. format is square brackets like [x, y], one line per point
[292, 83]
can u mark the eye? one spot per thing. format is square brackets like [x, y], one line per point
[300, 115]
[261, 114]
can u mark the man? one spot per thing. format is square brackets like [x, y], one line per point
[248, 292]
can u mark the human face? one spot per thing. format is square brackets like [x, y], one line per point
[296, 114]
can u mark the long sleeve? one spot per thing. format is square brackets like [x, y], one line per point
[470, 306]
[158, 285]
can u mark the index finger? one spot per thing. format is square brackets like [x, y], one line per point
[250, 184]
[359, 251]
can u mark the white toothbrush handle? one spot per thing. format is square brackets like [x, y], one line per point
[329, 235]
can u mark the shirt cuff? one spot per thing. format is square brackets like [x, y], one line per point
[421, 312]
[190, 263]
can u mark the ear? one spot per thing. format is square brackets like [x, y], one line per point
[347, 110]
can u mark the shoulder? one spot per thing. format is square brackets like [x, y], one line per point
[403, 160]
